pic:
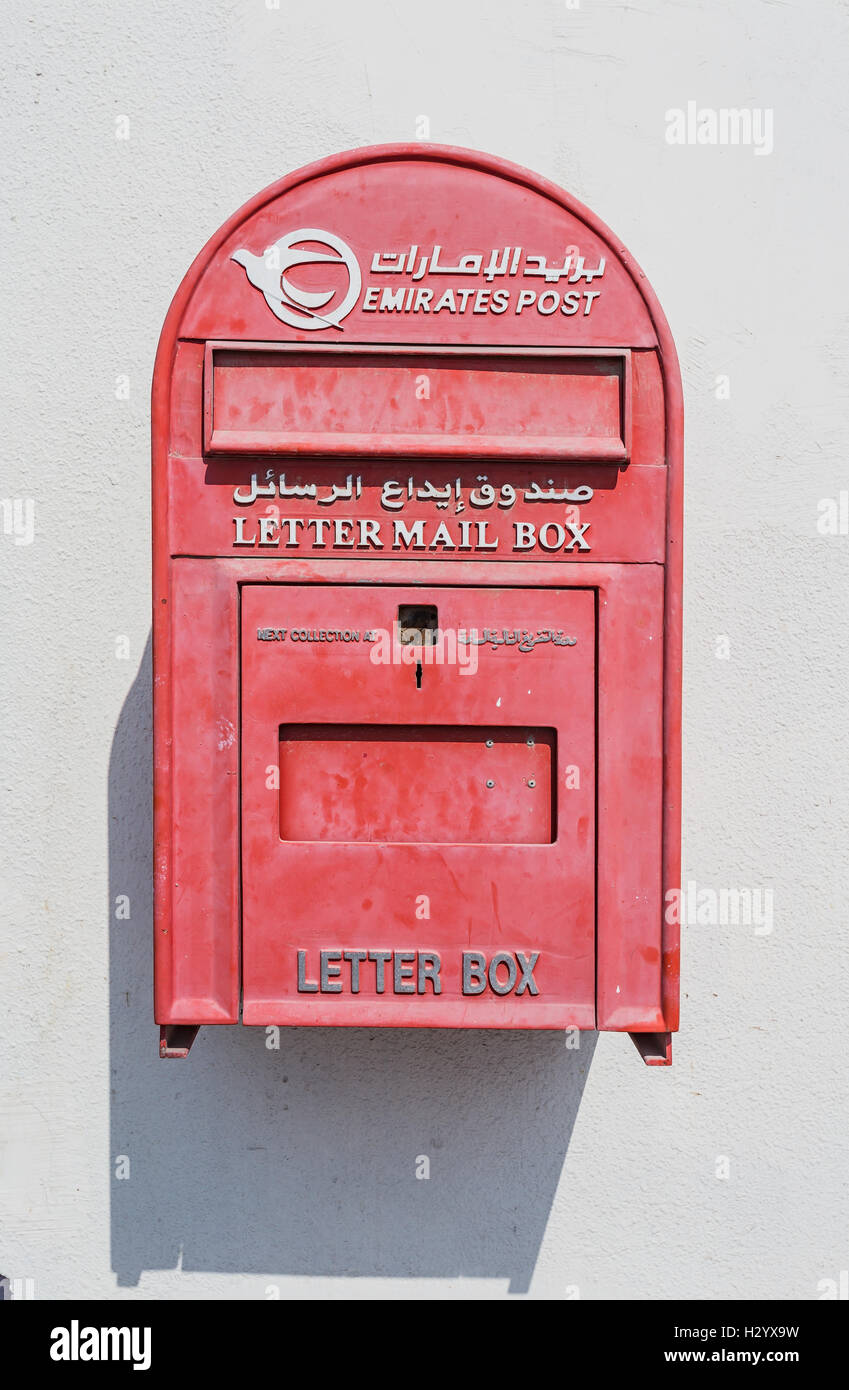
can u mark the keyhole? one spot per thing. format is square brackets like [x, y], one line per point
[418, 626]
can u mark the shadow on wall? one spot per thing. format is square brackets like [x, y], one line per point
[302, 1161]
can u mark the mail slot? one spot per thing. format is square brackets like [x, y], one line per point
[417, 613]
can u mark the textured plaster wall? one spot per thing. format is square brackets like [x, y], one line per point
[552, 1171]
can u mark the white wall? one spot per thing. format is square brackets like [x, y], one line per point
[550, 1169]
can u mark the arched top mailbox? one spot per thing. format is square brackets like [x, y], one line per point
[417, 451]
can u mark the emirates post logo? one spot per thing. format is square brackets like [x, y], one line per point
[301, 308]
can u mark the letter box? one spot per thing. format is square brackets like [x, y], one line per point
[417, 481]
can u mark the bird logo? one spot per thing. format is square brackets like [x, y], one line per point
[295, 306]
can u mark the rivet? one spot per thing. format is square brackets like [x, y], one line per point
[532, 783]
[489, 743]
[489, 782]
[530, 743]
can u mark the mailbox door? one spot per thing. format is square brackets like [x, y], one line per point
[418, 823]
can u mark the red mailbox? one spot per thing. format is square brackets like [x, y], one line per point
[417, 453]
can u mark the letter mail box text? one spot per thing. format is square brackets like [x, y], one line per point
[417, 453]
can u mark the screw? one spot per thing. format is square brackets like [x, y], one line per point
[532, 783]
[489, 782]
